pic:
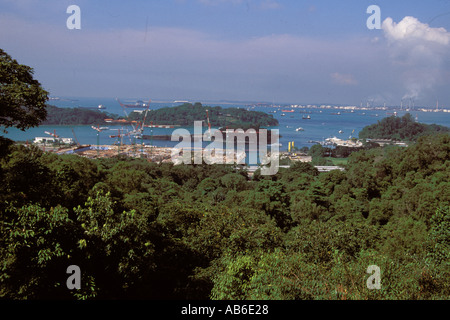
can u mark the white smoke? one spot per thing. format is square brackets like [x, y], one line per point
[417, 50]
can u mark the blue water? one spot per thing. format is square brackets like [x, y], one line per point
[323, 123]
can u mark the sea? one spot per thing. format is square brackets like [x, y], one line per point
[323, 123]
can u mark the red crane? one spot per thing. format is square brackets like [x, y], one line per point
[52, 134]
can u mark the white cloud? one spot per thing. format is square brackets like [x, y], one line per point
[418, 52]
[166, 62]
[411, 28]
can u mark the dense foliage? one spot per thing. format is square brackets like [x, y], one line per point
[145, 230]
[76, 116]
[400, 128]
[22, 99]
[187, 113]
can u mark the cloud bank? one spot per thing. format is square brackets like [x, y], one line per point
[418, 51]
[411, 60]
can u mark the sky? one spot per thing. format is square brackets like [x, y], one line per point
[299, 52]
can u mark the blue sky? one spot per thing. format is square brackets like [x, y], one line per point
[259, 50]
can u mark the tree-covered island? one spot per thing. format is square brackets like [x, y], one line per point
[400, 128]
[183, 115]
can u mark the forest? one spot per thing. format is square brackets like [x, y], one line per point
[184, 115]
[75, 116]
[141, 230]
[187, 113]
[400, 128]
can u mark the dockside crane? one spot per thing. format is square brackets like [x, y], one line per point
[54, 135]
[137, 126]
[119, 137]
[76, 140]
[98, 129]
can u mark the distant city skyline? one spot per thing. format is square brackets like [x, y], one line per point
[236, 50]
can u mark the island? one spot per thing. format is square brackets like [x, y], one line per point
[404, 128]
[187, 113]
[76, 116]
[183, 115]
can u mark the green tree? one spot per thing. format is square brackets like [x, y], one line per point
[22, 99]
[26, 179]
[439, 237]
[37, 248]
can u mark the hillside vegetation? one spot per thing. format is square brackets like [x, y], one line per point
[400, 128]
[187, 113]
[141, 230]
[183, 115]
[75, 116]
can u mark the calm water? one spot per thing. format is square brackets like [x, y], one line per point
[323, 123]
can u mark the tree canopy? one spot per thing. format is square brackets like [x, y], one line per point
[187, 113]
[22, 99]
[399, 128]
[76, 116]
[158, 231]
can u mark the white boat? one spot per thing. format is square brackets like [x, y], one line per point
[340, 131]
[299, 129]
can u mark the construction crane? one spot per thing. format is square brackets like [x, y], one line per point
[76, 140]
[120, 136]
[98, 129]
[137, 126]
[52, 134]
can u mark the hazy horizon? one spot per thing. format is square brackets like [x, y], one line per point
[236, 50]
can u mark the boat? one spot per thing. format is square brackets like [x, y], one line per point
[306, 117]
[275, 145]
[299, 129]
[292, 110]
[282, 114]
[340, 131]
[137, 104]
[99, 107]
